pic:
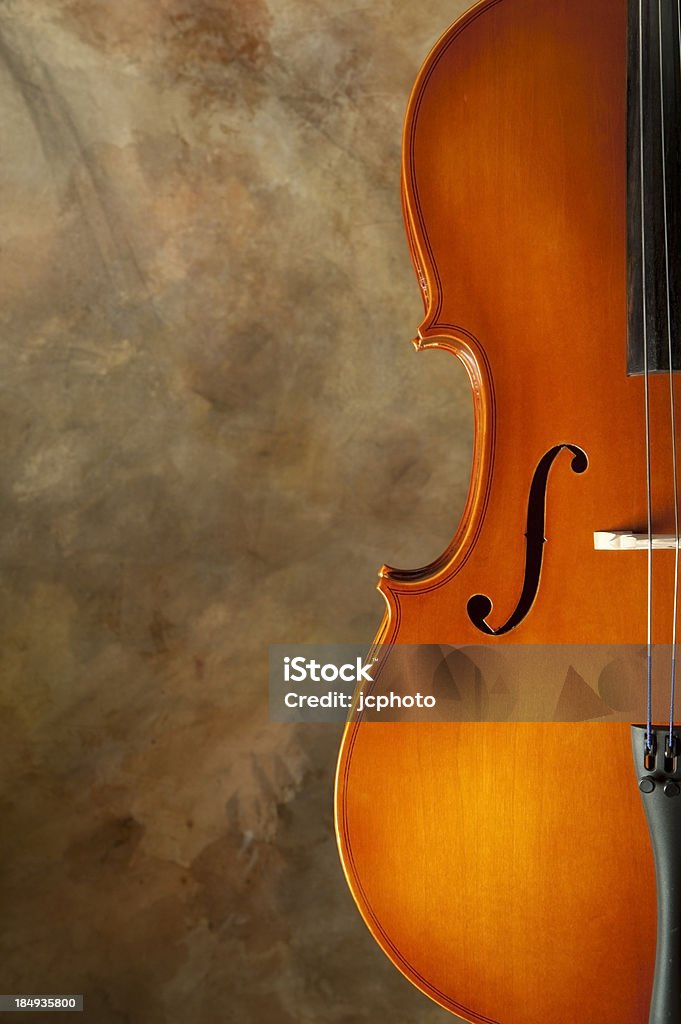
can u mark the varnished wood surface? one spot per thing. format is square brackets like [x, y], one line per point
[506, 868]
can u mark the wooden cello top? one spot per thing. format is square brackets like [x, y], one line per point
[505, 867]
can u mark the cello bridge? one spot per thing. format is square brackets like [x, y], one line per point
[625, 540]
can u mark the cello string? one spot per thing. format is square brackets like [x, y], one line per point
[649, 722]
[673, 428]
[663, 142]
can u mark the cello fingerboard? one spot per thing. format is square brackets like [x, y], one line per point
[654, 185]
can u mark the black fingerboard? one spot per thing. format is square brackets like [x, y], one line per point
[653, 185]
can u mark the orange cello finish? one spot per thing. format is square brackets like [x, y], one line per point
[506, 868]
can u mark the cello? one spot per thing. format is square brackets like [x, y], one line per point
[525, 871]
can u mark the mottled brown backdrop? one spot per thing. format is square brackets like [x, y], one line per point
[215, 430]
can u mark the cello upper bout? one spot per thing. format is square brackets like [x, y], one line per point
[419, 247]
[512, 109]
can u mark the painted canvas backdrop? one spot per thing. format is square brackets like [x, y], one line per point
[214, 431]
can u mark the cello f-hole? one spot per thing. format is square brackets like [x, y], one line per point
[479, 605]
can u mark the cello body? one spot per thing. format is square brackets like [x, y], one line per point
[505, 867]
